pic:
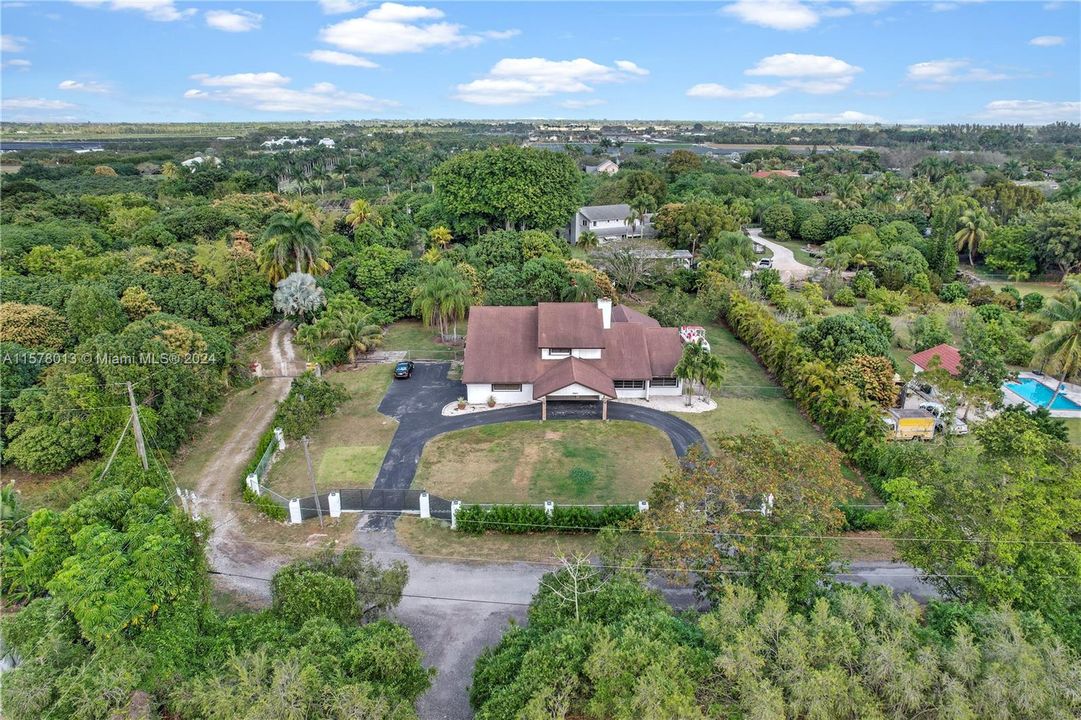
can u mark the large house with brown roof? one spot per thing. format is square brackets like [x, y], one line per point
[568, 351]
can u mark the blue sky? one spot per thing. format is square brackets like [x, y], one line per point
[769, 60]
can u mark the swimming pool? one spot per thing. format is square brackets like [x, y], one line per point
[1038, 394]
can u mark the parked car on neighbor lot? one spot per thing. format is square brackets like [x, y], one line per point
[403, 370]
[765, 263]
[958, 427]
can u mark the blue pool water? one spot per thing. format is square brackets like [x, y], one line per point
[1039, 394]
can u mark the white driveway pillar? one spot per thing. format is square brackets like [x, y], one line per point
[425, 506]
[253, 483]
[549, 507]
[455, 506]
[643, 505]
[334, 500]
[295, 517]
[279, 435]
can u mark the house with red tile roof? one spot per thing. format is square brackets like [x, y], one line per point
[568, 351]
[949, 359]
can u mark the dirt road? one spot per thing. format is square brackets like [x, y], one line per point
[784, 260]
[220, 478]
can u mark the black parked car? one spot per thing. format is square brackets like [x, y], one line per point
[403, 369]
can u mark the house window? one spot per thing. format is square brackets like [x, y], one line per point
[506, 387]
[630, 384]
[664, 382]
[559, 352]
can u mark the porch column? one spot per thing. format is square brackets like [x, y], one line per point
[544, 408]
[648, 383]
[604, 408]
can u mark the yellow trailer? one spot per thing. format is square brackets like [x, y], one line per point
[909, 424]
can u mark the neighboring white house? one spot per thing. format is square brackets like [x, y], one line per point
[327, 142]
[192, 163]
[283, 141]
[609, 222]
[568, 351]
[608, 167]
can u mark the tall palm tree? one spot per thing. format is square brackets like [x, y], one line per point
[635, 216]
[848, 191]
[442, 296]
[1013, 169]
[582, 288]
[972, 231]
[292, 239]
[440, 236]
[1061, 343]
[921, 196]
[699, 365]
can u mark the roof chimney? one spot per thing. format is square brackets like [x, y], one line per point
[605, 306]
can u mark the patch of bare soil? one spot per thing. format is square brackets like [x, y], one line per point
[523, 471]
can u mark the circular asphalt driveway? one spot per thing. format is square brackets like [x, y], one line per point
[417, 404]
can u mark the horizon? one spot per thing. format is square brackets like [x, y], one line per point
[802, 62]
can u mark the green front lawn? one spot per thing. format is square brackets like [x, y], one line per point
[347, 448]
[569, 461]
[420, 341]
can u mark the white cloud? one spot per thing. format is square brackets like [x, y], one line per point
[339, 7]
[632, 68]
[233, 20]
[269, 92]
[396, 12]
[157, 10]
[512, 81]
[936, 74]
[394, 28]
[1033, 112]
[715, 91]
[814, 74]
[848, 116]
[89, 86]
[775, 14]
[1047, 40]
[948, 6]
[12, 43]
[16, 63]
[501, 34]
[29, 103]
[336, 57]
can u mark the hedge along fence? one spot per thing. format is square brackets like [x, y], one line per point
[848, 420]
[517, 519]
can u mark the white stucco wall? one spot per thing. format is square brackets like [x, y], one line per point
[641, 393]
[666, 390]
[573, 390]
[478, 394]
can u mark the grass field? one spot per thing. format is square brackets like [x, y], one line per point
[434, 540]
[348, 447]
[532, 462]
[421, 342]
[1074, 425]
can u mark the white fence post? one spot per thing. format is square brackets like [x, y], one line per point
[549, 507]
[334, 500]
[280, 437]
[295, 517]
[253, 483]
[643, 505]
[455, 506]
[425, 506]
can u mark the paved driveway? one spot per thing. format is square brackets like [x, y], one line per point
[784, 260]
[417, 404]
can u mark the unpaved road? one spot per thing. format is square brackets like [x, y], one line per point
[221, 475]
[784, 260]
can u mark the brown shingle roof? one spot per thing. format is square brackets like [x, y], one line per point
[502, 344]
[569, 325]
[622, 313]
[570, 371]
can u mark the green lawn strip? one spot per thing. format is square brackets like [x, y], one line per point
[348, 447]
[419, 341]
[1074, 426]
[568, 461]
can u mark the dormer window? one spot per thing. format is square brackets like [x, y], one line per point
[559, 352]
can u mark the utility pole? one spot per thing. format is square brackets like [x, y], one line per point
[140, 447]
[311, 476]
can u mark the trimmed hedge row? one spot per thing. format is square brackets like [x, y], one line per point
[265, 505]
[849, 421]
[517, 519]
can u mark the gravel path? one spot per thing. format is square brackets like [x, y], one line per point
[784, 260]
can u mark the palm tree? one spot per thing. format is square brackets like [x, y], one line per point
[291, 239]
[440, 237]
[355, 332]
[582, 288]
[587, 241]
[298, 296]
[360, 212]
[699, 365]
[687, 368]
[848, 191]
[1013, 169]
[1061, 344]
[442, 296]
[972, 231]
[634, 216]
[921, 196]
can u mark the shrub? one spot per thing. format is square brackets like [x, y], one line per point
[778, 297]
[1033, 302]
[981, 295]
[890, 302]
[1006, 300]
[518, 519]
[765, 279]
[582, 477]
[265, 505]
[844, 297]
[858, 517]
[927, 331]
[952, 292]
[862, 283]
[310, 399]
